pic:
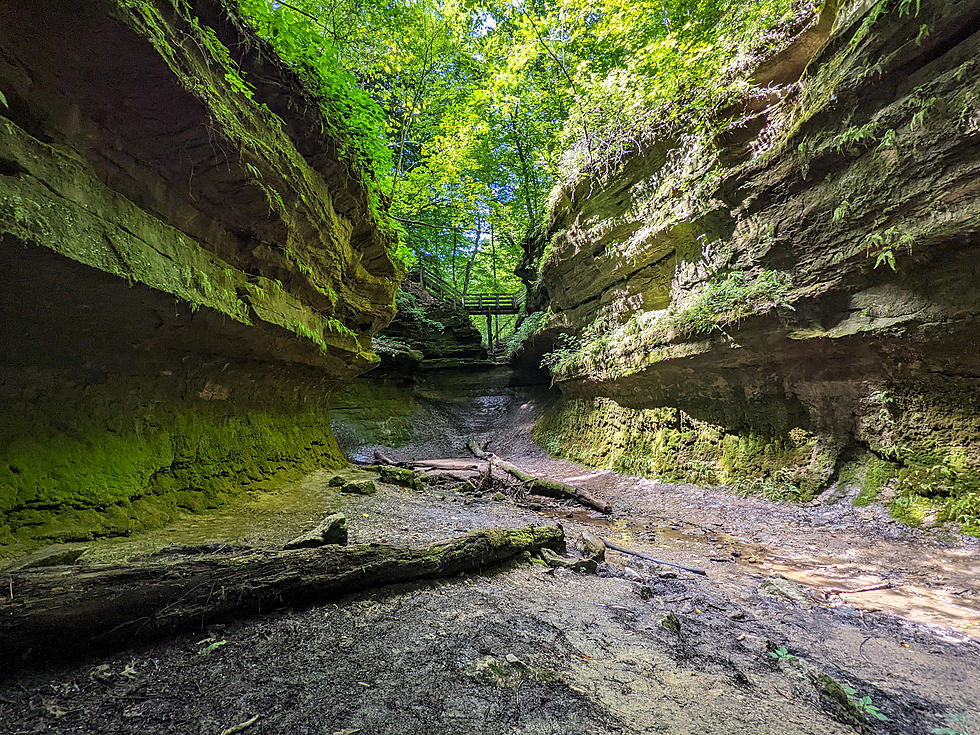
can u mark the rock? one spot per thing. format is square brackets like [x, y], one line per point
[400, 476]
[854, 307]
[556, 561]
[593, 546]
[331, 530]
[360, 486]
[50, 556]
[633, 575]
[172, 308]
[835, 698]
[506, 674]
[608, 569]
[788, 590]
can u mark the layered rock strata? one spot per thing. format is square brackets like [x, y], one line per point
[793, 302]
[189, 266]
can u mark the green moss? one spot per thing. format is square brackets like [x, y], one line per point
[874, 474]
[112, 458]
[606, 353]
[668, 445]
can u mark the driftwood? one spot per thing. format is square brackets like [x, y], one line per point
[641, 555]
[71, 610]
[548, 488]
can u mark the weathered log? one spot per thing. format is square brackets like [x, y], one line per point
[458, 465]
[538, 486]
[448, 476]
[72, 610]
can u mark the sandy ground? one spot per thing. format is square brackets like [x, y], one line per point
[527, 649]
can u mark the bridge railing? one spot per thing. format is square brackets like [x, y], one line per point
[482, 303]
[479, 303]
[433, 283]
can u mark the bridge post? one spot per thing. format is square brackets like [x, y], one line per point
[489, 332]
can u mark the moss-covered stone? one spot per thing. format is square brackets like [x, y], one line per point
[110, 459]
[668, 445]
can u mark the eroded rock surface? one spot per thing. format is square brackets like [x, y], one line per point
[793, 302]
[189, 266]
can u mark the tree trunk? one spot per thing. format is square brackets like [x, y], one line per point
[476, 249]
[71, 610]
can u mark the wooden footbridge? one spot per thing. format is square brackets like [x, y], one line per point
[479, 304]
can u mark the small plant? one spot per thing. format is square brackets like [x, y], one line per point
[864, 705]
[887, 140]
[855, 136]
[905, 7]
[565, 348]
[804, 150]
[213, 645]
[883, 246]
[780, 653]
[304, 331]
[409, 307]
[919, 117]
[531, 325]
[255, 289]
[842, 211]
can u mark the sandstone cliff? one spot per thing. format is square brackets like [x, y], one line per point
[189, 265]
[793, 302]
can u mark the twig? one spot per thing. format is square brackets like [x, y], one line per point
[641, 555]
[872, 588]
[241, 726]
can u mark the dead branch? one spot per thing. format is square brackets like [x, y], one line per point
[549, 488]
[843, 591]
[641, 555]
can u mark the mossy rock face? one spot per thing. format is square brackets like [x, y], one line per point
[173, 324]
[671, 446]
[428, 332]
[791, 275]
[132, 453]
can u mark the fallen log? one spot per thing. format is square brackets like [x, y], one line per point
[548, 488]
[641, 555]
[460, 465]
[79, 610]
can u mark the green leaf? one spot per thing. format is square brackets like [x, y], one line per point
[3, 100]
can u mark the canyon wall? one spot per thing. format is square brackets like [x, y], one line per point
[189, 266]
[791, 303]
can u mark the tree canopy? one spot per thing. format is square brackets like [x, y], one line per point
[462, 115]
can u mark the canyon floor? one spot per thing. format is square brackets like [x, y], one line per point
[527, 649]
